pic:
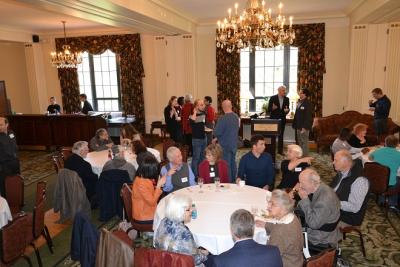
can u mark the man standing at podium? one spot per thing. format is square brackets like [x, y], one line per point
[278, 107]
[9, 163]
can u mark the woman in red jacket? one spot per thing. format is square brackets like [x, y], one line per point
[213, 166]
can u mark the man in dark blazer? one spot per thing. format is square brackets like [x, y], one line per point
[245, 252]
[76, 162]
[303, 120]
[86, 105]
[278, 108]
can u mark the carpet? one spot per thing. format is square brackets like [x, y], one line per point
[381, 235]
[35, 165]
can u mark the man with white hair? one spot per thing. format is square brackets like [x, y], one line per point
[321, 208]
[351, 188]
[76, 162]
[278, 107]
[226, 133]
[179, 174]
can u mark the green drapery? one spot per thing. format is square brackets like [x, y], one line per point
[128, 48]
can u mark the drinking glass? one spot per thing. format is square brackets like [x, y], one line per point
[254, 210]
[217, 182]
[200, 182]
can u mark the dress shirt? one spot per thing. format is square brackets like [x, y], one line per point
[168, 184]
[256, 171]
[344, 145]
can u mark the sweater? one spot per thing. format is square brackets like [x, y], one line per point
[144, 199]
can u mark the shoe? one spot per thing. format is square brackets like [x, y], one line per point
[395, 209]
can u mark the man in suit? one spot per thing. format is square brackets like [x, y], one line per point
[76, 162]
[278, 107]
[86, 105]
[303, 120]
[245, 252]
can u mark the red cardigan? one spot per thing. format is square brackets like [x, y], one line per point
[204, 171]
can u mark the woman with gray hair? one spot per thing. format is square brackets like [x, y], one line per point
[172, 234]
[101, 141]
[292, 166]
[284, 229]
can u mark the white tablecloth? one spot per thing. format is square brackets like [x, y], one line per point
[211, 229]
[5, 213]
[98, 158]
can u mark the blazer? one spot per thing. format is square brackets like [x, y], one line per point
[144, 199]
[86, 107]
[278, 113]
[303, 118]
[247, 253]
[204, 171]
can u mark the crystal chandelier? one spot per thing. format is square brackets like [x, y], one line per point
[255, 27]
[65, 59]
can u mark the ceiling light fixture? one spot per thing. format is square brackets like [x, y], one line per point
[253, 28]
[65, 58]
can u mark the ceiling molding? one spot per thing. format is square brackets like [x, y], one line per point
[176, 10]
[353, 6]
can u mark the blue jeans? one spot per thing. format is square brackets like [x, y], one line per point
[198, 153]
[229, 155]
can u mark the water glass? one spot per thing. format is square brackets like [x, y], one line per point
[200, 182]
[254, 210]
[217, 182]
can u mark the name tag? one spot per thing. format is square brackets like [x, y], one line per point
[298, 169]
[212, 174]
[301, 107]
[184, 179]
[11, 136]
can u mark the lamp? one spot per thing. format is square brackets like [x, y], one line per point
[254, 27]
[65, 58]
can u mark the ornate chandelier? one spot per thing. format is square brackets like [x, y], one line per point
[65, 59]
[253, 28]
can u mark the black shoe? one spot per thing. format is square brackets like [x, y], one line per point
[394, 209]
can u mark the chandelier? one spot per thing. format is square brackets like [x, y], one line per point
[65, 58]
[255, 27]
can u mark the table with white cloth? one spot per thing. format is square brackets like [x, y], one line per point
[99, 158]
[211, 228]
[365, 157]
[5, 213]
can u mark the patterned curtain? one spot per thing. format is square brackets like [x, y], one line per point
[131, 71]
[310, 39]
[228, 78]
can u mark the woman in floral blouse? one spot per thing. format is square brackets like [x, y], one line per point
[172, 233]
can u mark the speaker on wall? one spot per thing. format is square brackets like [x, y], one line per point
[35, 38]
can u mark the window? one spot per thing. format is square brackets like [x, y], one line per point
[99, 79]
[261, 73]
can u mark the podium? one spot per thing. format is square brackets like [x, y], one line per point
[270, 129]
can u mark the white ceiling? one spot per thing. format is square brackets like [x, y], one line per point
[25, 17]
[205, 10]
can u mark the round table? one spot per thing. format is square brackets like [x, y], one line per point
[98, 158]
[211, 228]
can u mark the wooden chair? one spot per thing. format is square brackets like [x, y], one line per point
[13, 242]
[154, 257]
[325, 259]
[14, 186]
[126, 195]
[40, 191]
[65, 152]
[159, 125]
[58, 162]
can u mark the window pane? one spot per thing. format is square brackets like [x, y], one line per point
[114, 91]
[106, 78]
[293, 74]
[259, 89]
[96, 63]
[100, 105]
[113, 78]
[86, 78]
[293, 87]
[279, 57]
[259, 104]
[88, 91]
[115, 105]
[113, 64]
[269, 89]
[259, 58]
[269, 74]
[98, 78]
[245, 91]
[293, 55]
[259, 74]
[107, 105]
[244, 75]
[104, 63]
[244, 59]
[99, 91]
[106, 91]
[278, 74]
[269, 58]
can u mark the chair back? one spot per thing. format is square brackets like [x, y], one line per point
[66, 152]
[13, 239]
[378, 176]
[40, 191]
[14, 186]
[145, 257]
[38, 219]
[324, 259]
[58, 162]
[126, 195]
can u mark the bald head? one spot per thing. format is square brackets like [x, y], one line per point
[227, 106]
[342, 161]
[309, 180]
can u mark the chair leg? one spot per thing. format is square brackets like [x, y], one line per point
[39, 259]
[49, 241]
[362, 245]
[28, 260]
